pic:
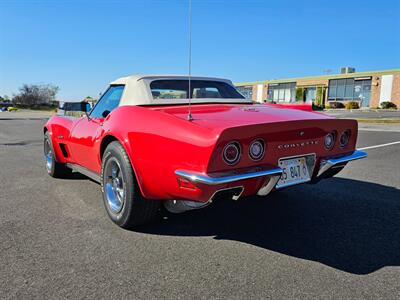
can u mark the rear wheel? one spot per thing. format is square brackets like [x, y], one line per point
[54, 168]
[122, 198]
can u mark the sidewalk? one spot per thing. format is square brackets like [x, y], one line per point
[379, 127]
[26, 114]
[367, 115]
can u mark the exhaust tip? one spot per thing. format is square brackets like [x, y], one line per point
[233, 193]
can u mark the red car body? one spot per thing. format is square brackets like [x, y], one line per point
[300, 106]
[174, 158]
[161, 141]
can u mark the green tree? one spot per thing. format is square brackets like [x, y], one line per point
[88, 98]
[299, 94]
[31, 95]
[319, 99]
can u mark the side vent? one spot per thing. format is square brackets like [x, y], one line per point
[63, 150]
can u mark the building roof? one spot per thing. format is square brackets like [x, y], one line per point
[329, 76]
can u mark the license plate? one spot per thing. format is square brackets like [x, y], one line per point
[294, 171]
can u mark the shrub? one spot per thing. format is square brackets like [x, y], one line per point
[336, 104]
[317, 107]
[299, 94]
[319, 97]
[388, 105]
[352, 105]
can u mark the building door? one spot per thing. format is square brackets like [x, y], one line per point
[310, 94]
[362, 92]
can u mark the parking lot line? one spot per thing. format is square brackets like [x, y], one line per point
[378, 130]
[379, 146]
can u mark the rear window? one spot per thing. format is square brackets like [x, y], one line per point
[199, 89]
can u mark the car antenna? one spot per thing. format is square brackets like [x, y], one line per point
[190, 117]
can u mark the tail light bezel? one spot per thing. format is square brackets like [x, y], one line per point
[237, 159]
[334, 135]
[263, 145]
[344, 145]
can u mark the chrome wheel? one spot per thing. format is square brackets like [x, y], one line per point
[123, 201]
[48, 155]
[114, 186]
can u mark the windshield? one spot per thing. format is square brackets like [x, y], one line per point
[200, 89]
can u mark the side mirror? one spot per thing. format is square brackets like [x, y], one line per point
[105, 113]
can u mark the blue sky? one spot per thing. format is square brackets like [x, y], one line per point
[81, 45]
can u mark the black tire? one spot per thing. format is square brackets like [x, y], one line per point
[54, 168]
[131, 208]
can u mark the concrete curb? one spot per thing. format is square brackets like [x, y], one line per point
[360, 110]
[379, 121]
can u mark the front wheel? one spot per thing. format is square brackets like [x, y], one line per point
[54, 168]
[122, 198]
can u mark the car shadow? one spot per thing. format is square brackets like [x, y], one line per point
[346, 224]
[78, 176]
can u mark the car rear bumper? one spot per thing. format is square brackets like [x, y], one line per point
[328, 164]
[257, 180]
[223, 178]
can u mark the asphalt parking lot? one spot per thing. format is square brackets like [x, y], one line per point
[337, 239]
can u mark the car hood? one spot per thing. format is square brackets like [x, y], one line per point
[219, 116]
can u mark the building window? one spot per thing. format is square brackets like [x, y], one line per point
[282, 92]
[350, 89]
[310, 94]
[246, 91]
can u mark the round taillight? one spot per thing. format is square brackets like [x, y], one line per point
[329, 141]
[231, 153]
[257, 149]
[345, 138]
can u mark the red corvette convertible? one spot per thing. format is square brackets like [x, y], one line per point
[147, 146]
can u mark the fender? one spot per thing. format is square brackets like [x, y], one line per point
[116, 136]
[57, 134]
[157, 144]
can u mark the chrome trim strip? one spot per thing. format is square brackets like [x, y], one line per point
[77, 168]
[325, 165]
[227, 189]
[206, 179]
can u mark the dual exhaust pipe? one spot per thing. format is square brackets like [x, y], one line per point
[180, 206]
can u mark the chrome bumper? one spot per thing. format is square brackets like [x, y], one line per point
[226, 177]
[272, 175]
[327, 164]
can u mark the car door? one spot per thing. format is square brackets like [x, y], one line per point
[88, 130]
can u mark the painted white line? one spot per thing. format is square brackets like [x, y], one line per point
[379, 146]
[378, 130]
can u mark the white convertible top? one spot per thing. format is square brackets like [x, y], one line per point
[137, 90]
